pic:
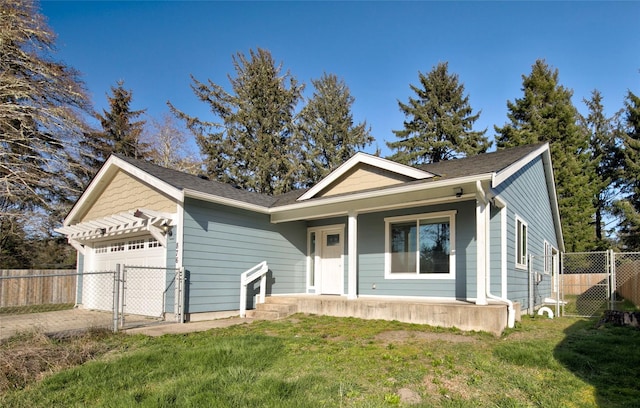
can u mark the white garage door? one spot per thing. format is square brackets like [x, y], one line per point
[144, 288]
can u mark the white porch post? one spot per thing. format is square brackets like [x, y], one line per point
[352, 248]
[481, 252]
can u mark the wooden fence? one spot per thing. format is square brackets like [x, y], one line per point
[627, 285]
[20, 287]
[628, 281]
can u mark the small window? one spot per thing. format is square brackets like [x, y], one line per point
[521, 243]
[153, 243]
[549, 253]
[117, 247]
[136, 244]
[333, 239]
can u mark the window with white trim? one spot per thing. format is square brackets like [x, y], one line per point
[549, 252]
[521, 243]
[420, 246]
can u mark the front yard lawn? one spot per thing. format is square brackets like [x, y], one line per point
[314, 361]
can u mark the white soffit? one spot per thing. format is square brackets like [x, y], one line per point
[363, 158]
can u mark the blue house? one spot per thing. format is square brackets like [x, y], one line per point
[445, 243]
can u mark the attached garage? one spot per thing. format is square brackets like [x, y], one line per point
[124, 218]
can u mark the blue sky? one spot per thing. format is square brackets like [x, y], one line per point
[378, 48]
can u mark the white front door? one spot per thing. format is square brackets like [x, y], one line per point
[331, 262]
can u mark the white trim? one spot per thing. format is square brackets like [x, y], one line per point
[212, 198]
[318, 230]
[390, 191]
[451, 216]
[363, 158]
[352, 249]
[553, 195]
[545, 152]
[482, 248]
[503, 249]
[518, 242]
[513, 168]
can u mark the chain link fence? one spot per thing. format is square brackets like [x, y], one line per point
[592, 282]
[626, 273]
[54, 301]
[45, 301]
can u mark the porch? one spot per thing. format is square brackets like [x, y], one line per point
[463, 315]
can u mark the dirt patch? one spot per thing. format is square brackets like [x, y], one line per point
[403, 336]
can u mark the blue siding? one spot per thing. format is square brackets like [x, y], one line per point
[222, 242]
[495, 255]
[527, 197]
[371, 248]
[170, 290]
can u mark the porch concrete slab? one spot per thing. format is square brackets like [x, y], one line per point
[460, 314]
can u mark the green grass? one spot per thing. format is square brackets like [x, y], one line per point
[311, 361]
[584, 305]
[54, 307]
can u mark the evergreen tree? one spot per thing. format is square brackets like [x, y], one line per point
[42, 103]
[328, 134]
[252, 144]
[545, 114]
[605, 156]
[121, 129]
[629, 207]
[439, 122]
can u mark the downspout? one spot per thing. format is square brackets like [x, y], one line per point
[494, 200]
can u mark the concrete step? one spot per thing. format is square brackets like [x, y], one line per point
[275, 308]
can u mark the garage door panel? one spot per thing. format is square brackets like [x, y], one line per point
[144, 288]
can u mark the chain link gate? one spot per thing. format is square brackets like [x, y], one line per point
[592, 282]
[154, 292]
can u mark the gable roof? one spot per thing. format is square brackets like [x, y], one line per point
[486, 163]
[366, 159]
[190, 183]
[495, 166]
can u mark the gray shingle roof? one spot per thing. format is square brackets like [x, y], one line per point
[185, 181]
[485, 163]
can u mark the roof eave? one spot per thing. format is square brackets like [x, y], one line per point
[212, 198]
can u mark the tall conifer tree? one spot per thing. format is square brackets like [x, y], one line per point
[121, 128]
[629, 207]
[252, 143]
[604, 148]
[546, 114]
[328, 134]
[439, 122]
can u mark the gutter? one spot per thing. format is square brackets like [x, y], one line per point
[488, 200]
